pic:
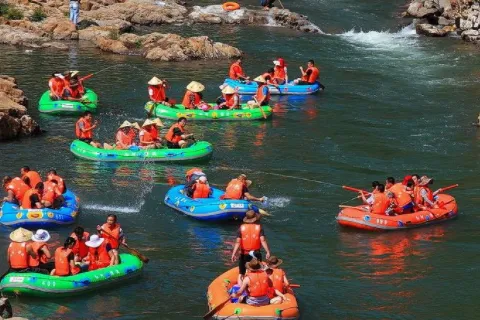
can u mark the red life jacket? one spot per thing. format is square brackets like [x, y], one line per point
[34, 178]
[145, 136]
[250, 240]
[60, 183]
[80, 248]
[18, 187]
[380, 203]
[73, 93]
[17, 253]
[171, 137]
[313, 75]
[154, 132]
[86, 124]
[259, 284]
[230, 99]
[234, 190]
[41, 257]
[62, 264]
[123, 138]
[49, 193]
[235, 71]
[186, 99]
[115, 235]
[26, 203]
[157, 93]
[98, 257]
[268, 77]
[57, 86]
[279, 73]
[259, 95]
[200, 190]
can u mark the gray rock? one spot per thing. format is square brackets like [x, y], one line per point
[428, 4]
[444, 4]
[430, 30]
[423, 12]
[465, 24]
[470, 35]
[445, 22]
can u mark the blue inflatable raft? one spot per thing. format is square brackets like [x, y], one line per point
[208, 209]
[290, 88]
[14, 216]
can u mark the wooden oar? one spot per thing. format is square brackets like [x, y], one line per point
[212, 312]
[441, 190]
[132, 250]
[355, 189]
[280, 1]
[261, 109]
[264, 213]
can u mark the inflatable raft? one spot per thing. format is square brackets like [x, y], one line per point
[357, 217]
[209, 209]
[48, 105]
[46, 286]
[12, 215]
[218, 293]
[289, 89]
[198, 151]
[245, 113]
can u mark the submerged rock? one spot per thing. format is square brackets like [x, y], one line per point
[430, 30]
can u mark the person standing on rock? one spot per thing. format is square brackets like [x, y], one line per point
[74, 11]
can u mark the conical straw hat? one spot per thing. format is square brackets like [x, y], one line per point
[125, 124]
[155, 81]
[21, 235]
[260, 79]
[158, 122]
[136, 126]
[195, 86]
[147, 123]
[228, 90]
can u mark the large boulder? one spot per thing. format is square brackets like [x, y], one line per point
[111, 45]
[60, 29]
[470, 35]
[430, 30]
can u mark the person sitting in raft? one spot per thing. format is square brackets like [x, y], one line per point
[424, 198]
[32, 199]
[258, 285]
[237, 189]
[262, 96]
[72, 92]
[33, 176]
[52, 196]
[200, 189]
[100, 253]
[231, 99]
[236, 71]
[191, 177]
[56, 85]
[113, 234]
[278, 278]
[52, 175]
[177, 136]
[269, 77]
[379, 202]
[123, 138]
[84, 129]
[369, 200]
[280, 75]
[400, 197]
[309, 76]
[156, 91]
[74, 76]
[20, 250]
[65, 260]
[15, 188]
[250, 238]
[80, 249]
[39, 245]
[193, 98]
[147, 136]
[155, 131]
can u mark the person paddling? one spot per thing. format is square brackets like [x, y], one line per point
[177, 136]
[237, 189]
[250, 238]
[236, 71]
[378, 201]
[84, 129]
[113, 234]
[193, 98]
[19, 250]
[156, 92]
[262, 96]
[73, 92]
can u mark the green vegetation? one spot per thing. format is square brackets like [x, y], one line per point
[38, 15]
[9, 12]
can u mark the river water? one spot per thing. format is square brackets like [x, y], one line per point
[395, 104]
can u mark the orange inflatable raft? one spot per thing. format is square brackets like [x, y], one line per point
[218, 293]
[357, 217]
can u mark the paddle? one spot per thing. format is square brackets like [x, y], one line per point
[261, 109]
[212, 312]
[294, 285]
[264, 213]
[357, 197]
[280, 1]
[441, 190]
[135, 252]
[355, 189]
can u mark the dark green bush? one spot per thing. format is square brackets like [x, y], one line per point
[38, 15]
[14, 14]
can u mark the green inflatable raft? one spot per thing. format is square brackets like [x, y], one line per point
[48, 105]
[46, 286]
[198, 151]
[173, 113]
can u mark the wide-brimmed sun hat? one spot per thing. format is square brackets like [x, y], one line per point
[274, 262]
[155, 81]
[21, 235]
[147, 122]
[228, 90]
[251, 217]
[202, 179]
[247, 182]
[158, 122]
[94, 242]
[424, 180]
[195, 86]
[41, 236]
[125, 124]
[260, 79]
[254, 265]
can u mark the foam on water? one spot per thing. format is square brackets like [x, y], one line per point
[278, 202]
[100, 207]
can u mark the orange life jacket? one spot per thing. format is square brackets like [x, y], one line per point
[172, 138]
[259, 95]
[86, 124]
[56, 86]
[230, 99]
[268, 77]
[279, 72]
[123, 138]
[62, 264]
[34, 178]
[26, 203]
[313, 75]
[418, 195]
[157, 93]
[259, 284]
[41, 257]
[146, 137]
[234, 190]
[115, 235]
[60, 183]
[17, 253]
[18, 187]
[49, 193]
[401, 195]
[186, 99]
[250, 240]
[235, 71]
[380, 203]
[200, 190]
[73, 93]
[277, 279]
[98, 257]
[154, 132]
[80, 248]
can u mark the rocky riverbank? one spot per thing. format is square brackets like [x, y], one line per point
[109, 25]
[14, 120]
[439, 18]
